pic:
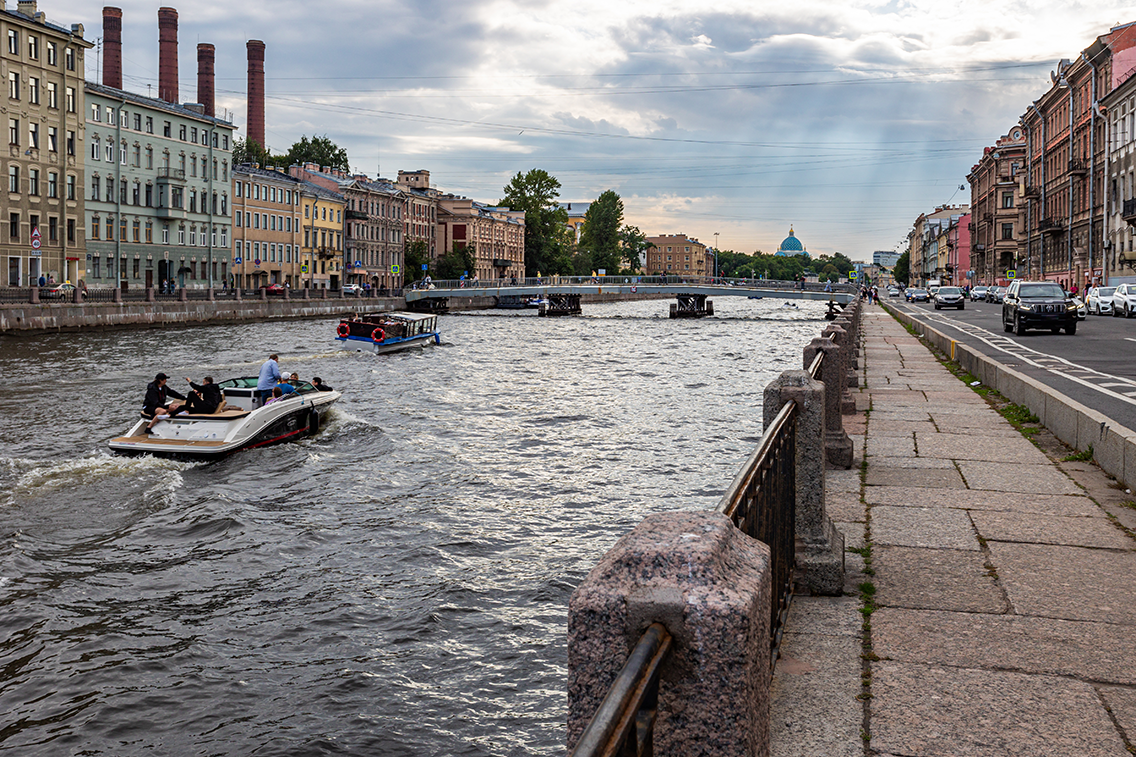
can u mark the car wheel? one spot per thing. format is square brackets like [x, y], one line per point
[936, 306]
[1007, 327]
[961, 306]
[1019, 327]
[1056, 330]
[1071, 329]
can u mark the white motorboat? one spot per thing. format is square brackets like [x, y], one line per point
[240, 422]
[388, 332]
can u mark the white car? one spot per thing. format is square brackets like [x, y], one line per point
[1124, 300]
[352, 289]
[1099, 300]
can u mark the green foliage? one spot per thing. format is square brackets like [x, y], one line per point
[633, 243]
[456, 262]
[902, 270]
[1083, 456]
[1019, 414]
[547, 237]
[600, 236]
[319, 150]
[417, 253]
[250, 151]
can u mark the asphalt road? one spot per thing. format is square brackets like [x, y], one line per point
[1096, 367]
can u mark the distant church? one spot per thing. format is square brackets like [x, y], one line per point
[791, 246]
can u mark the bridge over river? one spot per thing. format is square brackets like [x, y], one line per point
[563, 293]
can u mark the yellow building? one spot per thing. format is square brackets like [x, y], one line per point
[321, 264]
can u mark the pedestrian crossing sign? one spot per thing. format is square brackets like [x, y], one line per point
[853, 274]
[1011, 274]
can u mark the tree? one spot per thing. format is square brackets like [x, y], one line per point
[319, 150]
[456, 262]
[546, 223]
[633, 245]
[250, 151]
[417, 255]
[902, 270]
[600, 236]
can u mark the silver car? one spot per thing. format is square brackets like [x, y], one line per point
[1099, 300]
[949, 297]
[1124, 300]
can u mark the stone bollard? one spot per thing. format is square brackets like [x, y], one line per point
[323, 293]
[212, 294]
[150, 294]
[307, 295]
[77, 296]
[237, 294]
[838, 448]
[116, 295]
[183, 295]
[264, 293]
[840, 337]
[33, 298]
[710, 585]
[820, 547]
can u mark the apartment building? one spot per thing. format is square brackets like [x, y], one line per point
[496, 236]
[421, 223]
[1119, 258]
[43, 66]
[677, 254]
[267, 227]
[321, 264]
[998, 243]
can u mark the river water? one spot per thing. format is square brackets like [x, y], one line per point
[396, 585]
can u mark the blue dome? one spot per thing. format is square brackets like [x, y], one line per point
[792, 244]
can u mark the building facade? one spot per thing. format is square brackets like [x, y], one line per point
[998, 244]
[43, 65]
[496, 236]
[677, 254]
[421, 225]
[267, 228]
[1120, 189]
[321, 265]
[158, 189]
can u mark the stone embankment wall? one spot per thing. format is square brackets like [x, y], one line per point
[67, 316]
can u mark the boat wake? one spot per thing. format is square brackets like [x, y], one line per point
[26, 479]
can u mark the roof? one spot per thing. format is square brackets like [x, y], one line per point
[247, 169]
[153, 102]
[319, 191]
[74, 30]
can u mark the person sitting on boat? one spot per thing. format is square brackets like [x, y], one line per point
[285, 387]
[317, 382]
[277, 393]
[204, 398]
[155, 405]
[269, 376]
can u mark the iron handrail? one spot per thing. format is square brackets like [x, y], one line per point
[814, 368]
[732, 498]
[628, 711]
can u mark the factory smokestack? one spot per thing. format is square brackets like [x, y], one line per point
[168, 54]
[255, 119]
[112, 47]
[205, 56]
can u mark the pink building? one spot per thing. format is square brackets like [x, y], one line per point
[958, 252]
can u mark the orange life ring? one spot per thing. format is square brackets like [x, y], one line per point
[378, 335]
[344, 330]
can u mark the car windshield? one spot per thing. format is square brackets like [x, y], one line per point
[949, 290]
[1041, 290]
[1105, 291]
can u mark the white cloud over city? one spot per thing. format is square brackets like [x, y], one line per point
[845, 120]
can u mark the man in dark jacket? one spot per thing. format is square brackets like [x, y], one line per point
[204, 398]
[317, 382]
[156, 405]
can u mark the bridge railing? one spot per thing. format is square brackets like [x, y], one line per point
[630, 280]
[702, 584]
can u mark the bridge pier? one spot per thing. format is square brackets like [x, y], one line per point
[691, 306]
[429, 305]
[562, 304]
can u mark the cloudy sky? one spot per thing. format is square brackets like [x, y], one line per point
[844, 119]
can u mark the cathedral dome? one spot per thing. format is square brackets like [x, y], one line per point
[791, 246]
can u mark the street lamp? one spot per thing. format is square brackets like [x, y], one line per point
[715, 254]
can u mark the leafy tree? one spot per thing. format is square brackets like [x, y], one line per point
[417, 253]
[250, 151]
[547, 248]
[842, 263]
[601, 233]
[902, 270]
[633, 244]
[319, 150]
[456, 262]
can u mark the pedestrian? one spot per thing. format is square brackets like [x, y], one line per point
[269, 377]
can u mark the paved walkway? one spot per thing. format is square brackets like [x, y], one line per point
[1004, 585]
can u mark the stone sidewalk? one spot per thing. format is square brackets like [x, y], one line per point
[1003, 582]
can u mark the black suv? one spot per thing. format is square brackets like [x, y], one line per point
[1038, 305]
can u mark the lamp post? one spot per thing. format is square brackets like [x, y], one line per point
[715, 254]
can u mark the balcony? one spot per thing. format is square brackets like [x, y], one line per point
[1128, 212]
[355, 215]
[1031, 191]
[1078, 167]
[1050, 226]
[171, 174]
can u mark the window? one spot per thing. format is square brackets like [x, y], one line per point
[70, 142]
[150, 158]
[52, 54]
[165, 234]
[192, 133]
[181, 132]
[14, 226]
[239, 219]
[110, 189]
[69, 59]
[137, 161]
[1007, 199]
[122, 153]
[33, 47]
[52, 229]
[149, 195]
[33, 182]
[224, 236]
[137, 266]
[71, 230]
[149, 124]
[108, 152]
[71, 100]
[137, 230]
[53, 139]
[70, 193]
[13, 42]
[33, 90]
[52, 184]
[33, 136]
[96, 148]
[52, 95]
[166, 128]
[13, 178]
[136, 194]
[181, 235]
[137, 122]
[13, 85]
[95, 271]
[149, 232]
[33, 222]
[1007, 231]
[96, 112]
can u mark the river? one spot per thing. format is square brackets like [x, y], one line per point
[396, 585]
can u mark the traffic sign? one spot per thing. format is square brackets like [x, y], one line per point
[35, 243]
[35, 232]
[394, 268]
[1011, 274]
[425, 266]
[304, 268]
[853, 274]
[237, 260]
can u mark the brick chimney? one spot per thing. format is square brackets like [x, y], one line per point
[112, 47]
[255, 118]
[205, 56]
[168, 55]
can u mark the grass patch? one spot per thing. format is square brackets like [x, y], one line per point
[1019, 415]
[1079, 457]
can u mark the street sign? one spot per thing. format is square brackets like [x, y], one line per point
[35, 243]
[395, 268]
[853, 274]
[256, 262]
[304, 268]
[1011, 274]
[237, 260]
[358, 263]
[425, 266]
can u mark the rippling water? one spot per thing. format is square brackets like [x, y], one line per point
[396, 585]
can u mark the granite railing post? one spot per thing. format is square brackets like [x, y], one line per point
[307, 295]
[212, 294]
[77, 296]
[116, 295]
[839, 336]
[183, 295]
[33, 298]
[237, 294]
[287, 293]
[711, 586]
[150, 294]
[264, 293]
[323, 293]
[820, 547]
[837, 446]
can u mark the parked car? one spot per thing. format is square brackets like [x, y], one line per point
[66, 290]
[1099, 300]
[949, 297]
[352, 289]
[996, 294]
[1082, 309]
[1124, 300]
[978, 293]
[274, 290]
[1038, 305]
[918, 295]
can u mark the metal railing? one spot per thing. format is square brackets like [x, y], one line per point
[15, 294]
[632, 280]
